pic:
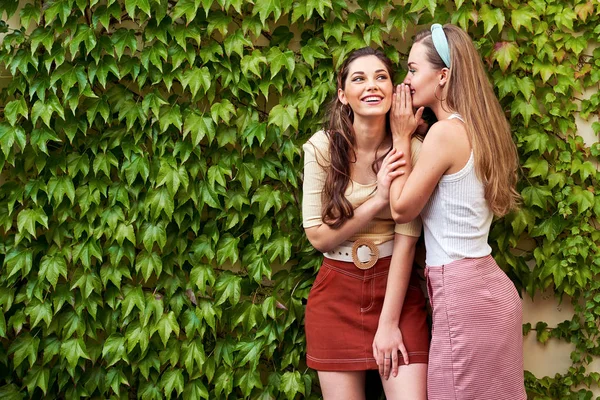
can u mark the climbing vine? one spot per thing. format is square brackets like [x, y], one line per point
[151, 241]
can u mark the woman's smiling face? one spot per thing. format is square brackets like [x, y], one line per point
[368, 87]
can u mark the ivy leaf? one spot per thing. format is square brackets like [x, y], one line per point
[60, 8]
[189, 8]
[137, 334]
[83, 34]
[227, 248]
[148, 262]
[170, 115]
[172, 380]
[284, 116]
[247, 380]
[537, 166]
[265, 8]
[252, 62]
[153, 233]
[199, 126]
[165, 326]
[51, 267]
[505, 53]
[196, 78]
[522, 16]
[46, 109]
[114, 349]
[536, 195]
[313, 50]
[278, 59]
[193, 353]
[160, 200]
[123, 38]
[491, 17]
[28, 218]
[222, 110]
[28, 13]
[565, 18]
[583, 198]
[172, 176]
[228, 286]
[37, 377]
[143, 5]
[15, 108]
[525, 108]
[235, 43]
[279, 246]
[291, 384]
[10, 135]
[72, 350]
[38, 311]
[115, 377]
[134, 297]
[24, 347]
[267, 198]
[195, 389]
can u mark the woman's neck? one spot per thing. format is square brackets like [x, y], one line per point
[441, 110]
[369, 132]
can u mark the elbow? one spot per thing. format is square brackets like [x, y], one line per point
[401, 216]
[318, 243]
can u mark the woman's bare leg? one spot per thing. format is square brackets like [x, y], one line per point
[342, 385]
[409, 384]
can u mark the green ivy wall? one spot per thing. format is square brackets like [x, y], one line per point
[151, 173]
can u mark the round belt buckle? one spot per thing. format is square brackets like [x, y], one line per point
[374, 253]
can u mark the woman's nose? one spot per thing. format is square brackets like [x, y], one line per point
[406, 80]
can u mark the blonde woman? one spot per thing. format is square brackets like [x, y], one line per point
[365, 309]
[465, 174]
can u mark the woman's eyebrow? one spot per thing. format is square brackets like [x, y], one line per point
[411, 63]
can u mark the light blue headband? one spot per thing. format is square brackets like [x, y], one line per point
[440, 42]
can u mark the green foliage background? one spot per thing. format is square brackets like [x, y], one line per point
[151, 169]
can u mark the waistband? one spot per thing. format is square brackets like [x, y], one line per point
[363, 253]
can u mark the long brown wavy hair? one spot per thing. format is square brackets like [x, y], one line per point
[342, 144]
[470, 94]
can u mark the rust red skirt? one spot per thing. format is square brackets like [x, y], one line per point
[343, 311]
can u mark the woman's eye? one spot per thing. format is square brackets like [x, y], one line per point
[382, 77]
[412, 71]
[357, 79]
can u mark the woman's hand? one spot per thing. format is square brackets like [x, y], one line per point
[389, 171]
[386, 345]
[403, 120]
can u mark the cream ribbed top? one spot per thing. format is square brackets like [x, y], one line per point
[457, 217]
[316, 158]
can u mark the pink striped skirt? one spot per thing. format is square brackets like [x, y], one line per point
[476, 348]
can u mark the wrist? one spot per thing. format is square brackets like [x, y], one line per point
[388, 323]
[401, 143]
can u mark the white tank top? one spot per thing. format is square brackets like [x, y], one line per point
[457, 218]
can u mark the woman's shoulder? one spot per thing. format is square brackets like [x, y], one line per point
[317, 147]
[446, 130]
[319, 139]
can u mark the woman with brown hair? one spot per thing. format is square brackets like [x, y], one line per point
[365, 309]
[465, 174]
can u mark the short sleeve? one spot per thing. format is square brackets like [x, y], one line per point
[315, 161]
[414, 227]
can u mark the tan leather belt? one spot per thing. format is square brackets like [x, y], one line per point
[364, 253]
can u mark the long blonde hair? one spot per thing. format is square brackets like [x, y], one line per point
[470, 93]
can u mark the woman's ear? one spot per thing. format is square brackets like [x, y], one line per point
[342, 97]
[444, 76]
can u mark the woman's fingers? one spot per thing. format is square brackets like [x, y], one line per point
[404, 353]
[394, 369]
[419, 115]
[387, 366]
